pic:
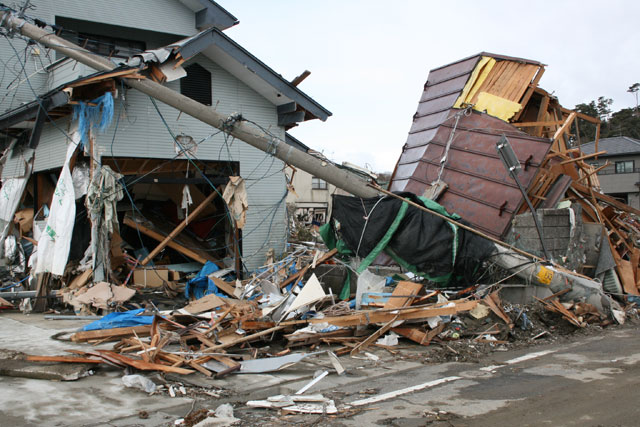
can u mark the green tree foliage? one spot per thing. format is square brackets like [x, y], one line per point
[625, 122]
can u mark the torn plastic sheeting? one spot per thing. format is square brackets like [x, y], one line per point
[10, 196]
[235, 195]
[119, 320]
[55, 241]
[201, 285]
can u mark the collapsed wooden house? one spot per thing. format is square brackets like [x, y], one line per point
[450, 154]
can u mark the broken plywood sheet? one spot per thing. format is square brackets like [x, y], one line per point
[102, 294]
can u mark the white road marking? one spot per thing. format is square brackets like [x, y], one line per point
[392, 394]
[400, 392]
[518, 360]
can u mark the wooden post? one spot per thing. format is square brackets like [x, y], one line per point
[236, 252]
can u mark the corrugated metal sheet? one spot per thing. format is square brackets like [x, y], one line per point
[480, 189]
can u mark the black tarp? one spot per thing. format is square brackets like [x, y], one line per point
[421, 239]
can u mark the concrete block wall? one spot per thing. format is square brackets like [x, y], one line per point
[561, 239]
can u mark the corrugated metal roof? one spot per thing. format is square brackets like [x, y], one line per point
[615, 146]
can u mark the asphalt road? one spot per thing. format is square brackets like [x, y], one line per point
[592, 381]
[587, 380]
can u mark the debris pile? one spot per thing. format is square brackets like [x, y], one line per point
[119, 240]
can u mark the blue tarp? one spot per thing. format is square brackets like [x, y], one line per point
[119, 320]
[201, 285]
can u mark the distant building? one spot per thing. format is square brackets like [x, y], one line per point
[312, 197]
[621, 177]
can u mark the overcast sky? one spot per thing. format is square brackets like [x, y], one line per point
[369, 59]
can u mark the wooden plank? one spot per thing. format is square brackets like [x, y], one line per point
[144, 366]
[582, 116]
[518, 84]
[245, 339]
[224, 286]
[542, 114]
[404, 294]
[200, 368]
[538, 123]
[527, 95]
[625, 271]
[63, 359]
[418, 336]
[193, 215]
[115, 333]
[527, 77]
[493, 301]
[494, 74]
[606, 199]
[381, 316]
[101, 77]
[586, 156]
[564, 128]
[373, 337]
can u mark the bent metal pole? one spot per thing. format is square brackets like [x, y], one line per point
[241, 130]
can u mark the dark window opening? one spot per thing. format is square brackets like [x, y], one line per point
[318, 184]
[197, 84]
[104, 45]
[624, 166]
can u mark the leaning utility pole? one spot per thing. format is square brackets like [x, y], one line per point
[556, 278]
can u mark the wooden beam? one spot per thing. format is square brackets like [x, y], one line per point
[382, 316]
[586, 156]
[542, 113]
[180, 227]
[301, 77]
[115, 333]
[403, 295]
[565, 127]
[606, 199]
[542, 123]
[195, 255]
[595, 171]
[582, 116]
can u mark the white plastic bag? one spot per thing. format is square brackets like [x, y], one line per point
[138, 381]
